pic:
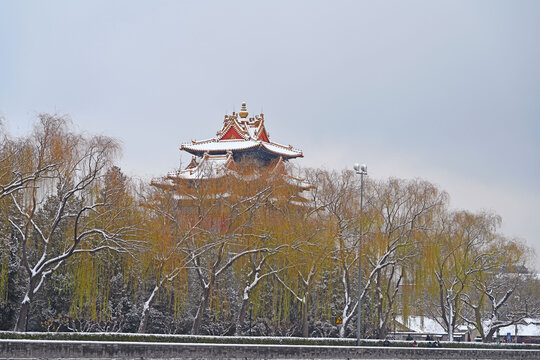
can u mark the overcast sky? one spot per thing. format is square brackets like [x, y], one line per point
[447, 91]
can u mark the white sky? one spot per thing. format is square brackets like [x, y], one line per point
[448, 91]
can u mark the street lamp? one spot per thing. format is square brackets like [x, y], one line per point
[360, 170]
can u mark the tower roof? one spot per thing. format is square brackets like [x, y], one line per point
[241, 134]
[215, 147]
[211, 167]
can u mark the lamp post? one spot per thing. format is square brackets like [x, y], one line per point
[360, 170]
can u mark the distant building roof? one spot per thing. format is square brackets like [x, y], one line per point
[527, 327]
[522, 330]
[421, 324]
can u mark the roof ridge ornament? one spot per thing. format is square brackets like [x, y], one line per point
[243, 112]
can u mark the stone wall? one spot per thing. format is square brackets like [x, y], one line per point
[54, 349]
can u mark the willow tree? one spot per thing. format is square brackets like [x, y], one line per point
[92, 306]
[227, 210]
[496, 297]
[306, 258]
[335, 201]
[256, 267]
[82, 222]
[400, 210]
[460, 248]
[24, 160]
[169, 231]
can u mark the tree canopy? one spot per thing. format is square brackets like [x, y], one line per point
[86, 248]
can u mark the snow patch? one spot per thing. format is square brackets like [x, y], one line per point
[421, 324]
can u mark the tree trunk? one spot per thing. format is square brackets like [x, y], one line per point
[379, 331]
[144, 321]
[489, 336]
[305, 329]
[441, 304]
[343, 327]
[200, 311]
[241, 318]
[146, 311]
[345, 317]
[22, 320]
[479, 327]
[342, 330]
[24, 313]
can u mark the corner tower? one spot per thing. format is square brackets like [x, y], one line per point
[240, 138]
[241, 148]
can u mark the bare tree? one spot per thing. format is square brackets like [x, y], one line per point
[335, 198]
[23, 161]
[501, 295]
[395, 212]
[83, 219]
[462, 243]
[257, 270]
[226, 247]
[169, 255]
[304, 260]
[223, 214]
[400, 212]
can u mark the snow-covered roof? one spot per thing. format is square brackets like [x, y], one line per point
[211, 166]
[297, 182]
[421, 324]
[240, 134]
[252, 131]
[522, 330]
[217, 166]
[526, 327]
[282, 149]
[529, 320]
[214, 145]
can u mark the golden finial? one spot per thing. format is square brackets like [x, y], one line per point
[243, 112]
